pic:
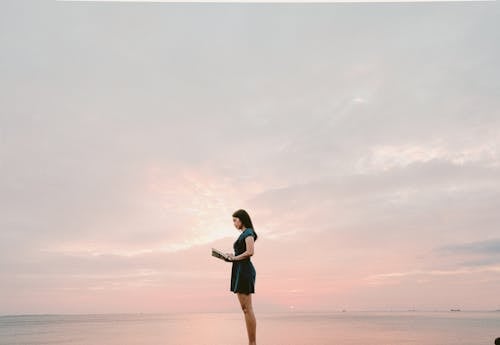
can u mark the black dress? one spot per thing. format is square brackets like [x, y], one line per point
[243, 272]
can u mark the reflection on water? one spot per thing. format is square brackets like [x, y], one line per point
[295, 328]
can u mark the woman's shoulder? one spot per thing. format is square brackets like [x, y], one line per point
[246, 232]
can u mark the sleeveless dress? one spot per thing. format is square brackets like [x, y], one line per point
[243, 272]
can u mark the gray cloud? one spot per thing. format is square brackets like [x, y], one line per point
[490, 246]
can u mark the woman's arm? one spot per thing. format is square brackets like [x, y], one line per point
[249, 241]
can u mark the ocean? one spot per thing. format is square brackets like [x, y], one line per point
[292, 328]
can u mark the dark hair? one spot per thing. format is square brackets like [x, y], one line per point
[245, 219]
[497, 341]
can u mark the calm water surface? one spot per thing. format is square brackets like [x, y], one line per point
[294, 328]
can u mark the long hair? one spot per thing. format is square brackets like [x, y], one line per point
[245, 220]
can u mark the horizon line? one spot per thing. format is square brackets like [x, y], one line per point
[264, 312]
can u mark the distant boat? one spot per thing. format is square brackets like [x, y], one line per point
[454, 309]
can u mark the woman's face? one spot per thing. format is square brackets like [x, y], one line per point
[237, 223]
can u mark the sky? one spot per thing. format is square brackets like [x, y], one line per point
[362, 138]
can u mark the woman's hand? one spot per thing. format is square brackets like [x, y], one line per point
[230, 256]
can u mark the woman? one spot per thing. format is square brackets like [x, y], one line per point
[243, 272]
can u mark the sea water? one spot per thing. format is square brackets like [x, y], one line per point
[289, 328]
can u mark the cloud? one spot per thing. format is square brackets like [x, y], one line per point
[386, 157]
[125, 149]
[486, 247]
[424, 275]
[476, 254]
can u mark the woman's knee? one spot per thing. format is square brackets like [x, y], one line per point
[247, 308]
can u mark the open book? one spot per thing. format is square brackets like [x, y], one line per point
[219, 255]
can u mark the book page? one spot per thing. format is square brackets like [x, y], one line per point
[219, 254]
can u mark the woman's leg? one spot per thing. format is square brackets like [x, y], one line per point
[246, 306]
